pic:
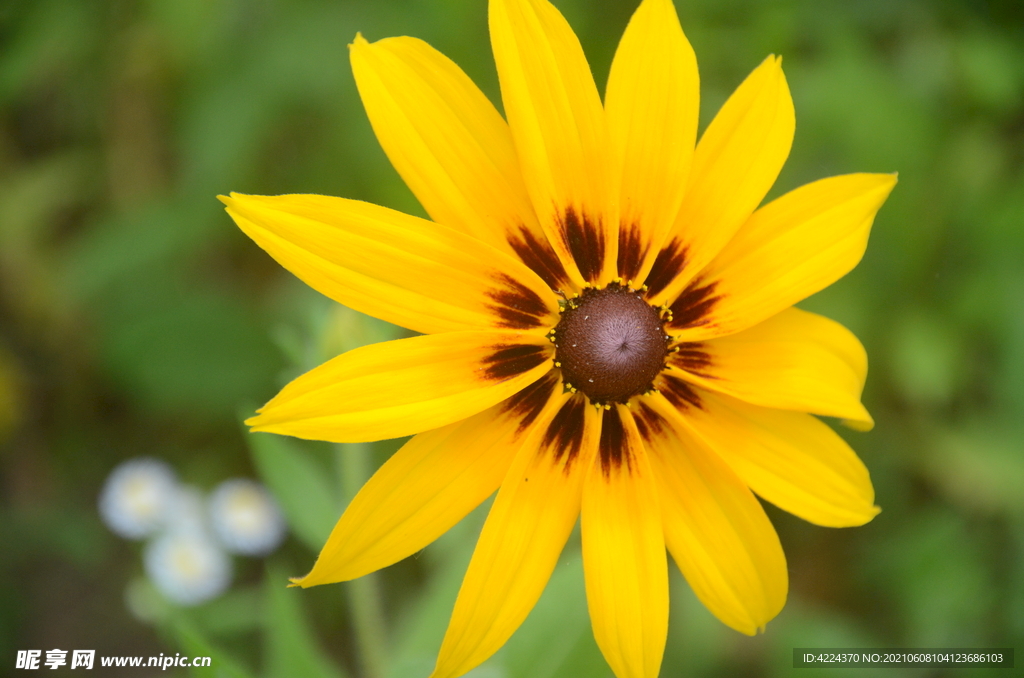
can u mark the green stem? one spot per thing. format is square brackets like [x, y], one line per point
[353, 467]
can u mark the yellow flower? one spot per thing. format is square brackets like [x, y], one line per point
[608, 331]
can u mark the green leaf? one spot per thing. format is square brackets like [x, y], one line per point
[978, 465]
[555, 640]
[300, 485]
[421, 627]
[194, 644]
[291, 649]
[235, 612]
[183, 348]
[803, 625]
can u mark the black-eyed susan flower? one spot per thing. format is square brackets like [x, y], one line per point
[607, 324]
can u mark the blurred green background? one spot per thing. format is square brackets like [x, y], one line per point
[135, 319]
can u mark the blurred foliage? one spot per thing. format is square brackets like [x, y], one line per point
[136, 319]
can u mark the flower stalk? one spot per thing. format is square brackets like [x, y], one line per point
[352, 466]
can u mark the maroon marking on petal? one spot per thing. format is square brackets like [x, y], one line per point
[528, 403]
[585, 240]
[667, 265]
[648, 422]
[510, 360]
[565, 432]
[679, 393]
[693, 307]
[691, 356]
[538, 255]
[517, 306]
[632, 250]
[613, 446]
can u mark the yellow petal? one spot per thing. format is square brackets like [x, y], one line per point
[793, 361]
[560, 133]
[430, 484]
[791, 459]
[652, 103]
[451, 146]
[624, 551]
[406, 386]
[789, 249]
[528, 525]
[715, 528]
[737, 160]
[399, 268]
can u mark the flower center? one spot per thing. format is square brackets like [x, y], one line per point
[610, 344]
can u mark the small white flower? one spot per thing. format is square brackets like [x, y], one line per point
[187, 512]
[246, 518]
[136, 499]
[187, 566]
